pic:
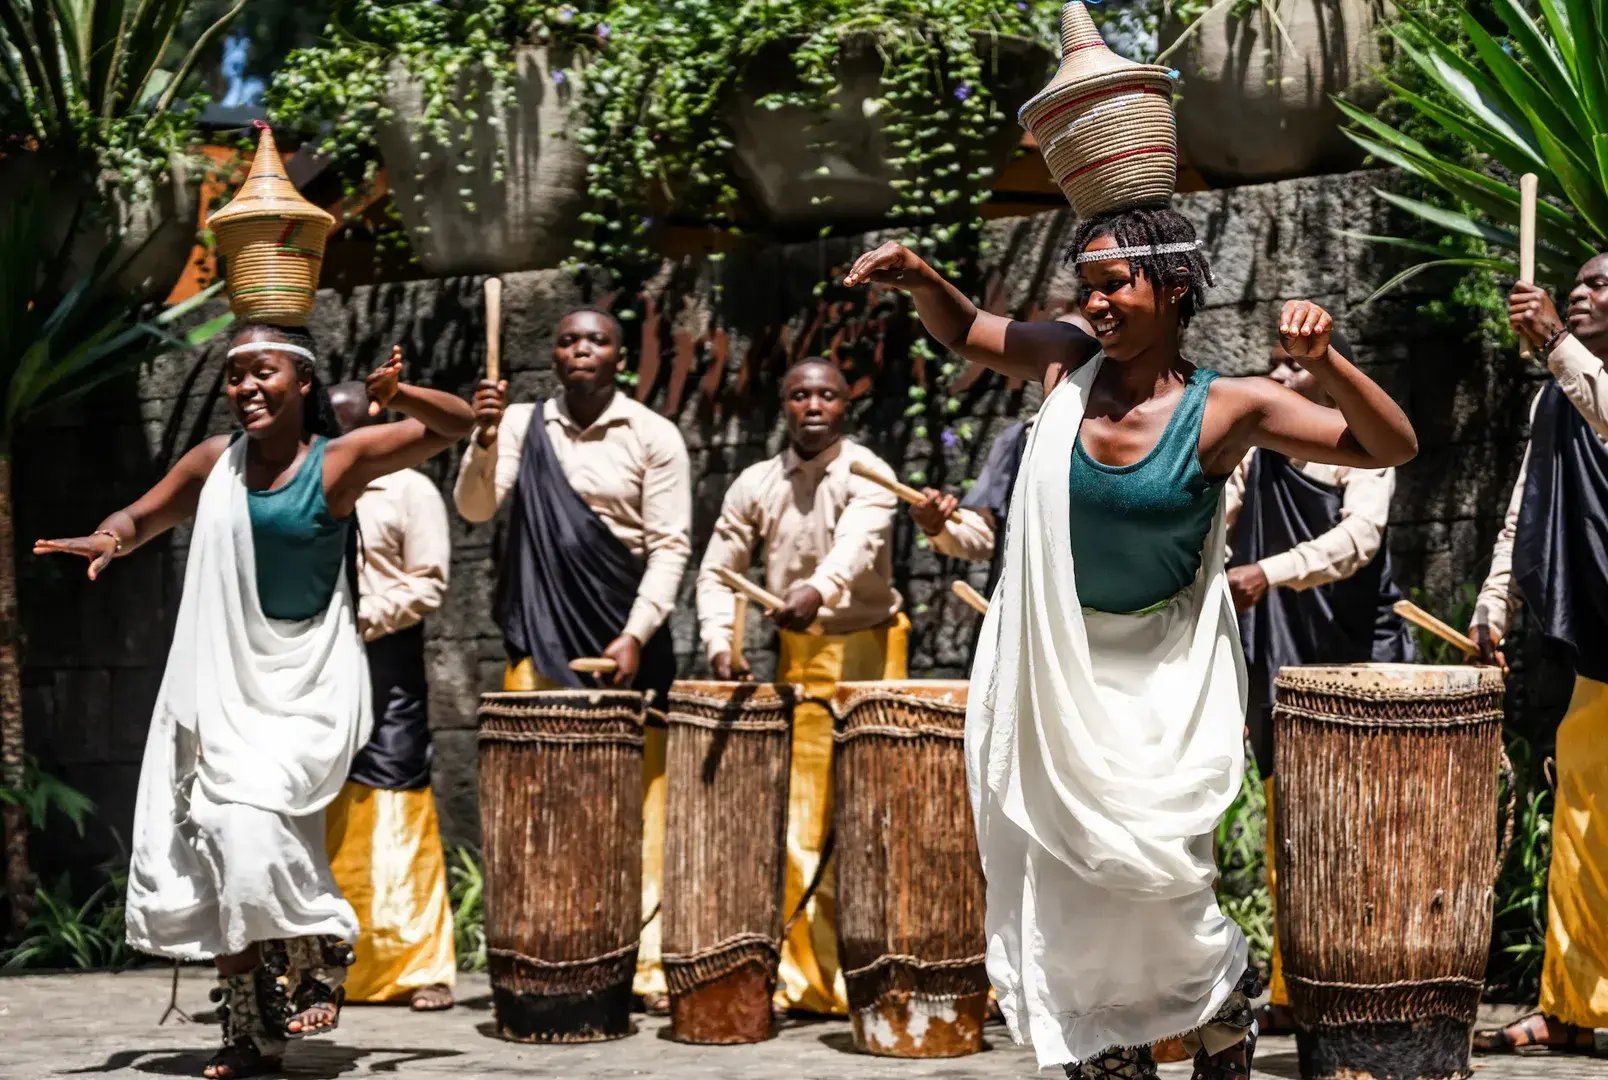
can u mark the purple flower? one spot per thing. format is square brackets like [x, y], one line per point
[963, 91]
[559, 78]
[1021, 5]
[949, 439]
[566, 13]
[603, 31]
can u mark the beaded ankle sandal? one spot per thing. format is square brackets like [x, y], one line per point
[1118, 1063]
[320, 966]
[248, 1048]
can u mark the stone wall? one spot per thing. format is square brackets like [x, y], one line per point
[709, 341]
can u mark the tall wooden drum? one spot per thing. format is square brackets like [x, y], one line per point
[561, 826]
[729, 745]
[909, 885]
[1387, 851]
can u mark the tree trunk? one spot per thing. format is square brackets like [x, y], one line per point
[19, 880]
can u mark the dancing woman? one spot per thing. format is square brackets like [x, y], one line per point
[1104, 740]
[266, 695]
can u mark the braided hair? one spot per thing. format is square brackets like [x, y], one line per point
[1152, 226]
[318, 415]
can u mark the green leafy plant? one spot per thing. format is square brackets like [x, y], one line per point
[466, 892]
[63, 933]
[40, 793]
[1530, 98]
[86, 77]
[1455, 612]
[1242, 890]
[1519, 933]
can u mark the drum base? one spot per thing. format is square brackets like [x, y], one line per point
[1436, 1048]
[597, 1016]
[728, 1011]
[911, 1025]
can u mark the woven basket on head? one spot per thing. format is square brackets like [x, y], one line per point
[272, 242]
[1104, 124]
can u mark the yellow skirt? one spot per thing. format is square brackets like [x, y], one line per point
[1574, 974]
[649, 978]
[809, 977]
[385, 850]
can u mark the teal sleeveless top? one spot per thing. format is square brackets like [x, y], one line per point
[1138, 530]
[299, 547]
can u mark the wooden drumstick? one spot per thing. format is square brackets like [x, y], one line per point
[971, 596]
[903, 491]
[1527, 192]
[735, 581]
[594, 665]
[493, 339]
[739, 626]
[1419, 617]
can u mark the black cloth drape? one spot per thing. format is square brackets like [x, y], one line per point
[566, 583]
[1560, 553]
[992, 489]
[1344, 622]
[399, 752]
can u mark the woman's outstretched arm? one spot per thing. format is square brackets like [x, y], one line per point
[172, 500]
[1022, 350]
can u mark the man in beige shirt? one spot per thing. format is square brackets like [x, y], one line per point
[598, 539]
[381, 832]
[1311, 578]
[1550, 554]
[827, 536]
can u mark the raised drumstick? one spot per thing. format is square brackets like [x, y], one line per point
[971, 596]
[903, 491]
[594, 665]
[1419, 617]
[739, 625]
[735, 581]
[1527, 191]
[493, 338]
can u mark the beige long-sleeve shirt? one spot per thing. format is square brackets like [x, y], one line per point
[1583, 381]
[630, 467]
[405, 554]
[967, 535]
[821, 526]
[1341, 551]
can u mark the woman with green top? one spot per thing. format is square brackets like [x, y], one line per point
[1104, 739]
[265, 697]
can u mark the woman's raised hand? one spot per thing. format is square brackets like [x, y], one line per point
[1304, 329]
[891, 264]
[383, 380]
[99, 549]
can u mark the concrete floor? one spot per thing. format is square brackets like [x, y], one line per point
[102, 1024]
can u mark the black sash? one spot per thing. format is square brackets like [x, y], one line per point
[1560, 554]
[1344, 622]
[399, 752]
[566, 583]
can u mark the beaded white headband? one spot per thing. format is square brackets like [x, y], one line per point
[250, 348]
[1137, 252]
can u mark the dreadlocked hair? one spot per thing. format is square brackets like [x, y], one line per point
[1153, 226]
[318, 414]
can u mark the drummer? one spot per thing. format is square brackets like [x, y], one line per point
[598, 540]
[827, 536]
[1310, 576]
[1549, 554]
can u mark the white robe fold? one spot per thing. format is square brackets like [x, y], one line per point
[1102, 750]
[254, 731]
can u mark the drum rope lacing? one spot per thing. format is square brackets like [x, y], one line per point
[682, 970]
[914, 961]
[900, 731]
[564, 965]
[1410, 723]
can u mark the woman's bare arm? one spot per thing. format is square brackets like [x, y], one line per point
[1013, 347]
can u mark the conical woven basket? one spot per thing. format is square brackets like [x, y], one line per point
[1104, 124]
[272, 243]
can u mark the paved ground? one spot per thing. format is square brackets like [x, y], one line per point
[90, 1025]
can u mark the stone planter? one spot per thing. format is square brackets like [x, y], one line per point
[800, 167]
[465, 220]
[155, 233]
[1254, 108]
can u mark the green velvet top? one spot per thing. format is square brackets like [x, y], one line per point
[299, 546]
[1138, 530]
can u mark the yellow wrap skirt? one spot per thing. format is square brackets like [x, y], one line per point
[1574, 974]
[385, 851]
[1277, 992]
[809, 978]
[649, 978]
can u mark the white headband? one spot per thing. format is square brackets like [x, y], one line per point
[1139, 252]
[250, 347]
